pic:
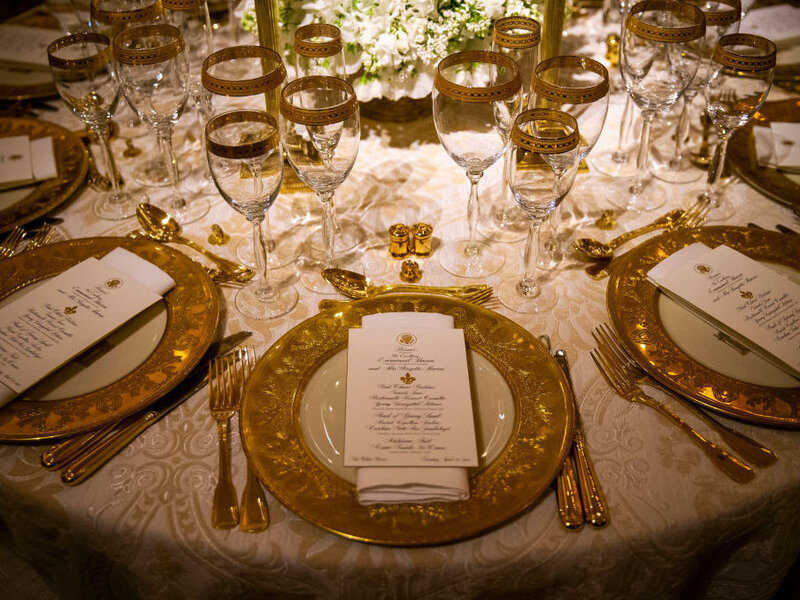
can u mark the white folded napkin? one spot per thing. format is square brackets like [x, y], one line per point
[138, 269]
[778, 146]
[393, 485]
[24, 161]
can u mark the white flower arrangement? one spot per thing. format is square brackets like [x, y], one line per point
[392, 47]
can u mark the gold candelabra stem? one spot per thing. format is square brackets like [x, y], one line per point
[552, 27]
[267, 20]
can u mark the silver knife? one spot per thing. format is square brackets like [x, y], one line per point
[77, 449]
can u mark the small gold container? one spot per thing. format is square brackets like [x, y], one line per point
[612, 50]
[399, 242]
[410, 272]
[422, 239]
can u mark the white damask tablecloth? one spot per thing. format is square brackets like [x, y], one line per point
[679, 528]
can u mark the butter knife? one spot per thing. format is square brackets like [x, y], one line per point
[83, 454]
[595, 510]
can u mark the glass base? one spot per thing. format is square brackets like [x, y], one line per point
[115, 207]
[281, 254]
[615, 164]
[190, 212]
[349, 234]
[255, 306]
[720, 211]
[153, 173]
[509, 294]
[505, 224]
[678, 171]
[484, 261]
[651, 197]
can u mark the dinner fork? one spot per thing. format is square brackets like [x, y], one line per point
[254, 516]
[222, 404]
[746, 447]
[9, 245]
[41, 237]
[484, 297]
[727, 463]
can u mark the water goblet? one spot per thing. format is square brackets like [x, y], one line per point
[154, 72]
[246, 162]
[82, 66]
[476, 95]
[740, 77]
[320, 130]
[662, 42]
[553, 137]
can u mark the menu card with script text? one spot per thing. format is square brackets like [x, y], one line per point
[408, 399]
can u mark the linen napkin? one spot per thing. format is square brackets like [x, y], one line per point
[129, 265]
[393, 485]
[24, 161]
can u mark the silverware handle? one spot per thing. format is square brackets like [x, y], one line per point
[595, 510]
[633, 233]
[254, 516]
[223, 263]
[570, 509]
[454, 290]
[59, 454]
[225, 507]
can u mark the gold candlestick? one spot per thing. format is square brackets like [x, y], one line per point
[552, 28]
[267, 21]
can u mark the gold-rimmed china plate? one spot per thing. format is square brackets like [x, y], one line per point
[687, 354]
[22, 205]
[126, 371]
[293, 425]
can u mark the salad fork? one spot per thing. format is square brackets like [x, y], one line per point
[9, 245]
[41, 237]
[222, 399]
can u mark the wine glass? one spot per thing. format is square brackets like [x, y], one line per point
[662, 42]
[722, 17]
[154, 73]
[740, 76]
[518, 38]
[246, 162]
[83, 70]
[476, 95]
[241, 76]
[577, 85]
[552, 136]
[321, 129]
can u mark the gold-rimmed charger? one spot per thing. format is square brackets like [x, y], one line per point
[22, 205]
[771, 182]
[519, 459]
[687, 354]
[177, 331]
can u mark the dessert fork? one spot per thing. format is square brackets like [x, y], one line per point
[222, 398]
[727, 463]
[746, 447]
[9, 245]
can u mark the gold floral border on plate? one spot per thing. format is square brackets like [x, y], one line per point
[530, 461]
[742, 153]
[192, 315]
[72, 162]
[633, 309]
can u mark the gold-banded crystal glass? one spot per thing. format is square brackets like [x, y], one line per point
[318, 50]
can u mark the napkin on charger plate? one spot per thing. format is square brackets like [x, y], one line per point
[24, 161]
[393, 485]
[45, 327]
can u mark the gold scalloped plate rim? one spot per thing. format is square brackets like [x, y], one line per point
[523, 471]
[632, 303]
[193, 311]
[72, 161]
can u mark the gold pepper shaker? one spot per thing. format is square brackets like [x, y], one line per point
[399, 240]
[422, 236]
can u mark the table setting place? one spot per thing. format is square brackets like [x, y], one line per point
[246, 288]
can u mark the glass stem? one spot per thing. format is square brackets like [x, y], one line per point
[682, 131]
[505, 216]
[164, 135]
[527, 285]
[101, 129]
[644, 152]
[232, 27]
[620, 155]
[716, 167]
[264, 291]
[328, 227]
[473, 212]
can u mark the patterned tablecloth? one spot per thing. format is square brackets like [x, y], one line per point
[679, 528]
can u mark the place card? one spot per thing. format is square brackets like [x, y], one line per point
[408, 399]
[34, 40]
[748, 300]
[24, 161]
[46, 327]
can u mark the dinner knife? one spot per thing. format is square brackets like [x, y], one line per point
[595, 510]
[75, 451]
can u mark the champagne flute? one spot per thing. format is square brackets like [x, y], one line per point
[241, 76]
[740, 77]
[476, 95]
[246, 162]
[83, 70]
[552, 136]
[154, 73]
[321, 129]
[662, 42]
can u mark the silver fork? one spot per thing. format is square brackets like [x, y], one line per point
[748, 448]
[41, 237]
[222, 404]
[627, 389]
[9, 245]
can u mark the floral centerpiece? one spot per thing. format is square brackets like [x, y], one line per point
[392, 47]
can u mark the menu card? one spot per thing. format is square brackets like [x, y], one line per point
[408, 398]
[43, 329]
[22, 45]
[747, 300]
[23, 161]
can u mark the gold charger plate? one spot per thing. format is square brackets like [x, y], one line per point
[22, 205]
[191, 315]
[500, 489]
[646, 321]
[742, 153]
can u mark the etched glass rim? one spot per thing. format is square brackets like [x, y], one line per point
[745, 62]
[179, 5]
[502, 36]
[484, 94]
[148, 56]
[242, 151]
[720, 17]
[99, 59]
[667, 35]
[551, 145]
[125, 17]
[305, 47]
[319, 116]
[570, 94]
[243, 87]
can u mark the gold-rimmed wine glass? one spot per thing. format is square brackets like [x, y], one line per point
[553, 137]
[246, 162]
[740, 76]
[242, 77]
[82, 66]
[476, 95]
